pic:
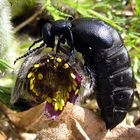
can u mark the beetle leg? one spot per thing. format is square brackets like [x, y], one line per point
[35, 42]
[71, 44]
[57, 48]
[58, 45]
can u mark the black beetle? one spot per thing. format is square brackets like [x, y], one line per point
[104, 54]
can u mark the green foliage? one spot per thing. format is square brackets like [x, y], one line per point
[137, 7]
[5, 94]
[57, 14]
[4, 65]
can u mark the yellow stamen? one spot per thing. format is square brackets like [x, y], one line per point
[62, 102]
[49, 100]
[40, 76]
[76, 92]
[69, 88]
[61, 108]
[30, 75]
[75, 83]
[73, 76]
[57, 95]
[44, 96]
[36, 65]
[74, 87]
[58, 59]
[31, 84]
[31, 87]
[56, 106]
[51, 58]
[54, 100]
[66, 66]
[67, 94]
[48, 60]
[36, 93]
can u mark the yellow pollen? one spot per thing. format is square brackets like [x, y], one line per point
[56, 106]
[69, 88]
[40, 76]
[51, 58]
[36, 65]
[61, 108]
[68, 96]
[31, 84]
[48, 60]
[62, 102]
[66, 66]
[36, 93]
[49, 100]
[74, 87]
[58, 59]
[30, 75]
[54, 100]
[75, 83]
[73, 76]
[76, 92]
[44, 96]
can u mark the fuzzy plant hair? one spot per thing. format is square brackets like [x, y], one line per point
[7, 41]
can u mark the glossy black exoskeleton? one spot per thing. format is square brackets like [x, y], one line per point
[105, 55]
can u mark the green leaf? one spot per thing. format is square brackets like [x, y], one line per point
[5, 95]
[57, 14]
[4, 65]
[137, 7]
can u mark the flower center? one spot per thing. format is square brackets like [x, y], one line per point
[55, 82]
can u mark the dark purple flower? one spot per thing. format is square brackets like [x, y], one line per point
[55, 82]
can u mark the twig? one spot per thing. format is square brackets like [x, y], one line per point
[26, 22]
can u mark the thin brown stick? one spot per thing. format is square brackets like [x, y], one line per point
[26, 22]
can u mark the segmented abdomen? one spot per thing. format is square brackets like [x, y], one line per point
[114, 83]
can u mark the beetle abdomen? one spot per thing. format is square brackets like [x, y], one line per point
[114, 84]
[111, 64]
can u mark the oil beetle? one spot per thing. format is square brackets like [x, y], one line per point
[105, 56]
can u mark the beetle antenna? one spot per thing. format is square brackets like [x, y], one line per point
[29, 52]
[35, 42]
